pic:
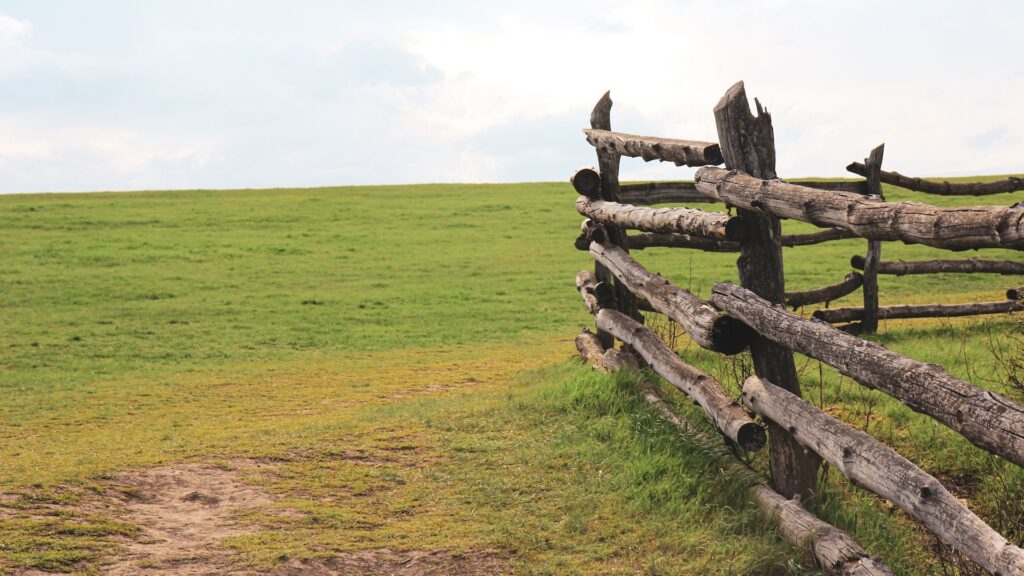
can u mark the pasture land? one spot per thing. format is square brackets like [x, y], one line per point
[382, 378]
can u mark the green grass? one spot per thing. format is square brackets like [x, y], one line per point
[302, 325]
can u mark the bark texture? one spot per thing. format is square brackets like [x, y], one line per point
[715, 225]
[1015, 293]
[748, 144]
[839, 315]
[968, 266]
[876, 467]
[987, 419]
[1011, 184]
[869, 323]
[662, 193]
[833, 549]
[727, 416]
[700, 320]
[679, 152]
[852, 281]
[960, 228]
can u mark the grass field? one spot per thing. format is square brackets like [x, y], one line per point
[398, 361]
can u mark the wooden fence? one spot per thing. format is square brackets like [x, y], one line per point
[753, 316]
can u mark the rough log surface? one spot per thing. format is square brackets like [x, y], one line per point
[705, 325]
[970, 265]
[677, 240]
[987, 419]
[857, 187]
[590, 348]
[748, 144]
[959, 228]
[832, 548]
[1011, 184]
[839, 315]
[715, 225]
[662, 193]
[727, 416]
[869, 324]
[852, 281]
[876, 467]
[679, 152]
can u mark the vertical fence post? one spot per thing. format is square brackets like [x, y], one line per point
[748, 144]
[869, 323]
[608, 164]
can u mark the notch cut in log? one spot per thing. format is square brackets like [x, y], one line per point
[1015, 293]
[647, 193]
[944, 188]
[878, 468]
[705, 325]
[587, 182]
[679, 152]
[958, 228]
[715, 225]
[968, 266]
[900, 312]
[852, 281]
[595, 294]
[987, 419]
[726, 415]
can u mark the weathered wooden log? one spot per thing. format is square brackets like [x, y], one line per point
[1015, 293]
[679, 152]
[727, 416]
[856, 187]
[791, 240]
[968, 266]
[878, 468]
[589, 347]
[838, 315]
[945, 188]
[587, 182]
[686, 220]
[852, 281]
[987, 419]
[596, 294]
[748, 144]
[959, 228]
[661, 193]
[700, 320]
[833, 549]
[676, 240]
[869, 324]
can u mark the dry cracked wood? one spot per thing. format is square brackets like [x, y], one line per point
[852, 281]
[1011, 184]
[680, 152]
[715, 225]
[700, 320]
[876, 467]
[987, 419]
[646, 193]
[839, 315]
[970, 265]
[727, 416]
[958, 228]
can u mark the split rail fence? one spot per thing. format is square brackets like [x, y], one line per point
[754, 316]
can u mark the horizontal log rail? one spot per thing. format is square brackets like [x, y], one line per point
[705, 325]
[727, 416]
[662, 193]
[852, 281]
[856, 187]
[680, 152]
[987, 419]
[959, 228]
[677, 240]
[1010, 184]
[878, 468]
[791, 240]
[904, 311]
[715, 225]
[968, 266]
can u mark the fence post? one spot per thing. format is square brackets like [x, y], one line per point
[748, 144]
[869, 323]
[608, 164]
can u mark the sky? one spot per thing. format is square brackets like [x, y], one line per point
[184, 94]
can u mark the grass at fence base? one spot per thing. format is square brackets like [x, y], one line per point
[141, 329]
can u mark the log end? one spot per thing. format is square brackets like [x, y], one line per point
[751, 437]
[857, 262]
[730, 336]
[587, 182]
[1015, 293]
[736, 230]
[713, 155]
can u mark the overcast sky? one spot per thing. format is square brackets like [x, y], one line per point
[121, 95]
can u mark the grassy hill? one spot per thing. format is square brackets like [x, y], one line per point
[398, 361]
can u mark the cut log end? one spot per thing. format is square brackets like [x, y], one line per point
[736, 230]
[730, 336]
[751, 437]
[587, 182]
[1015, 293]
